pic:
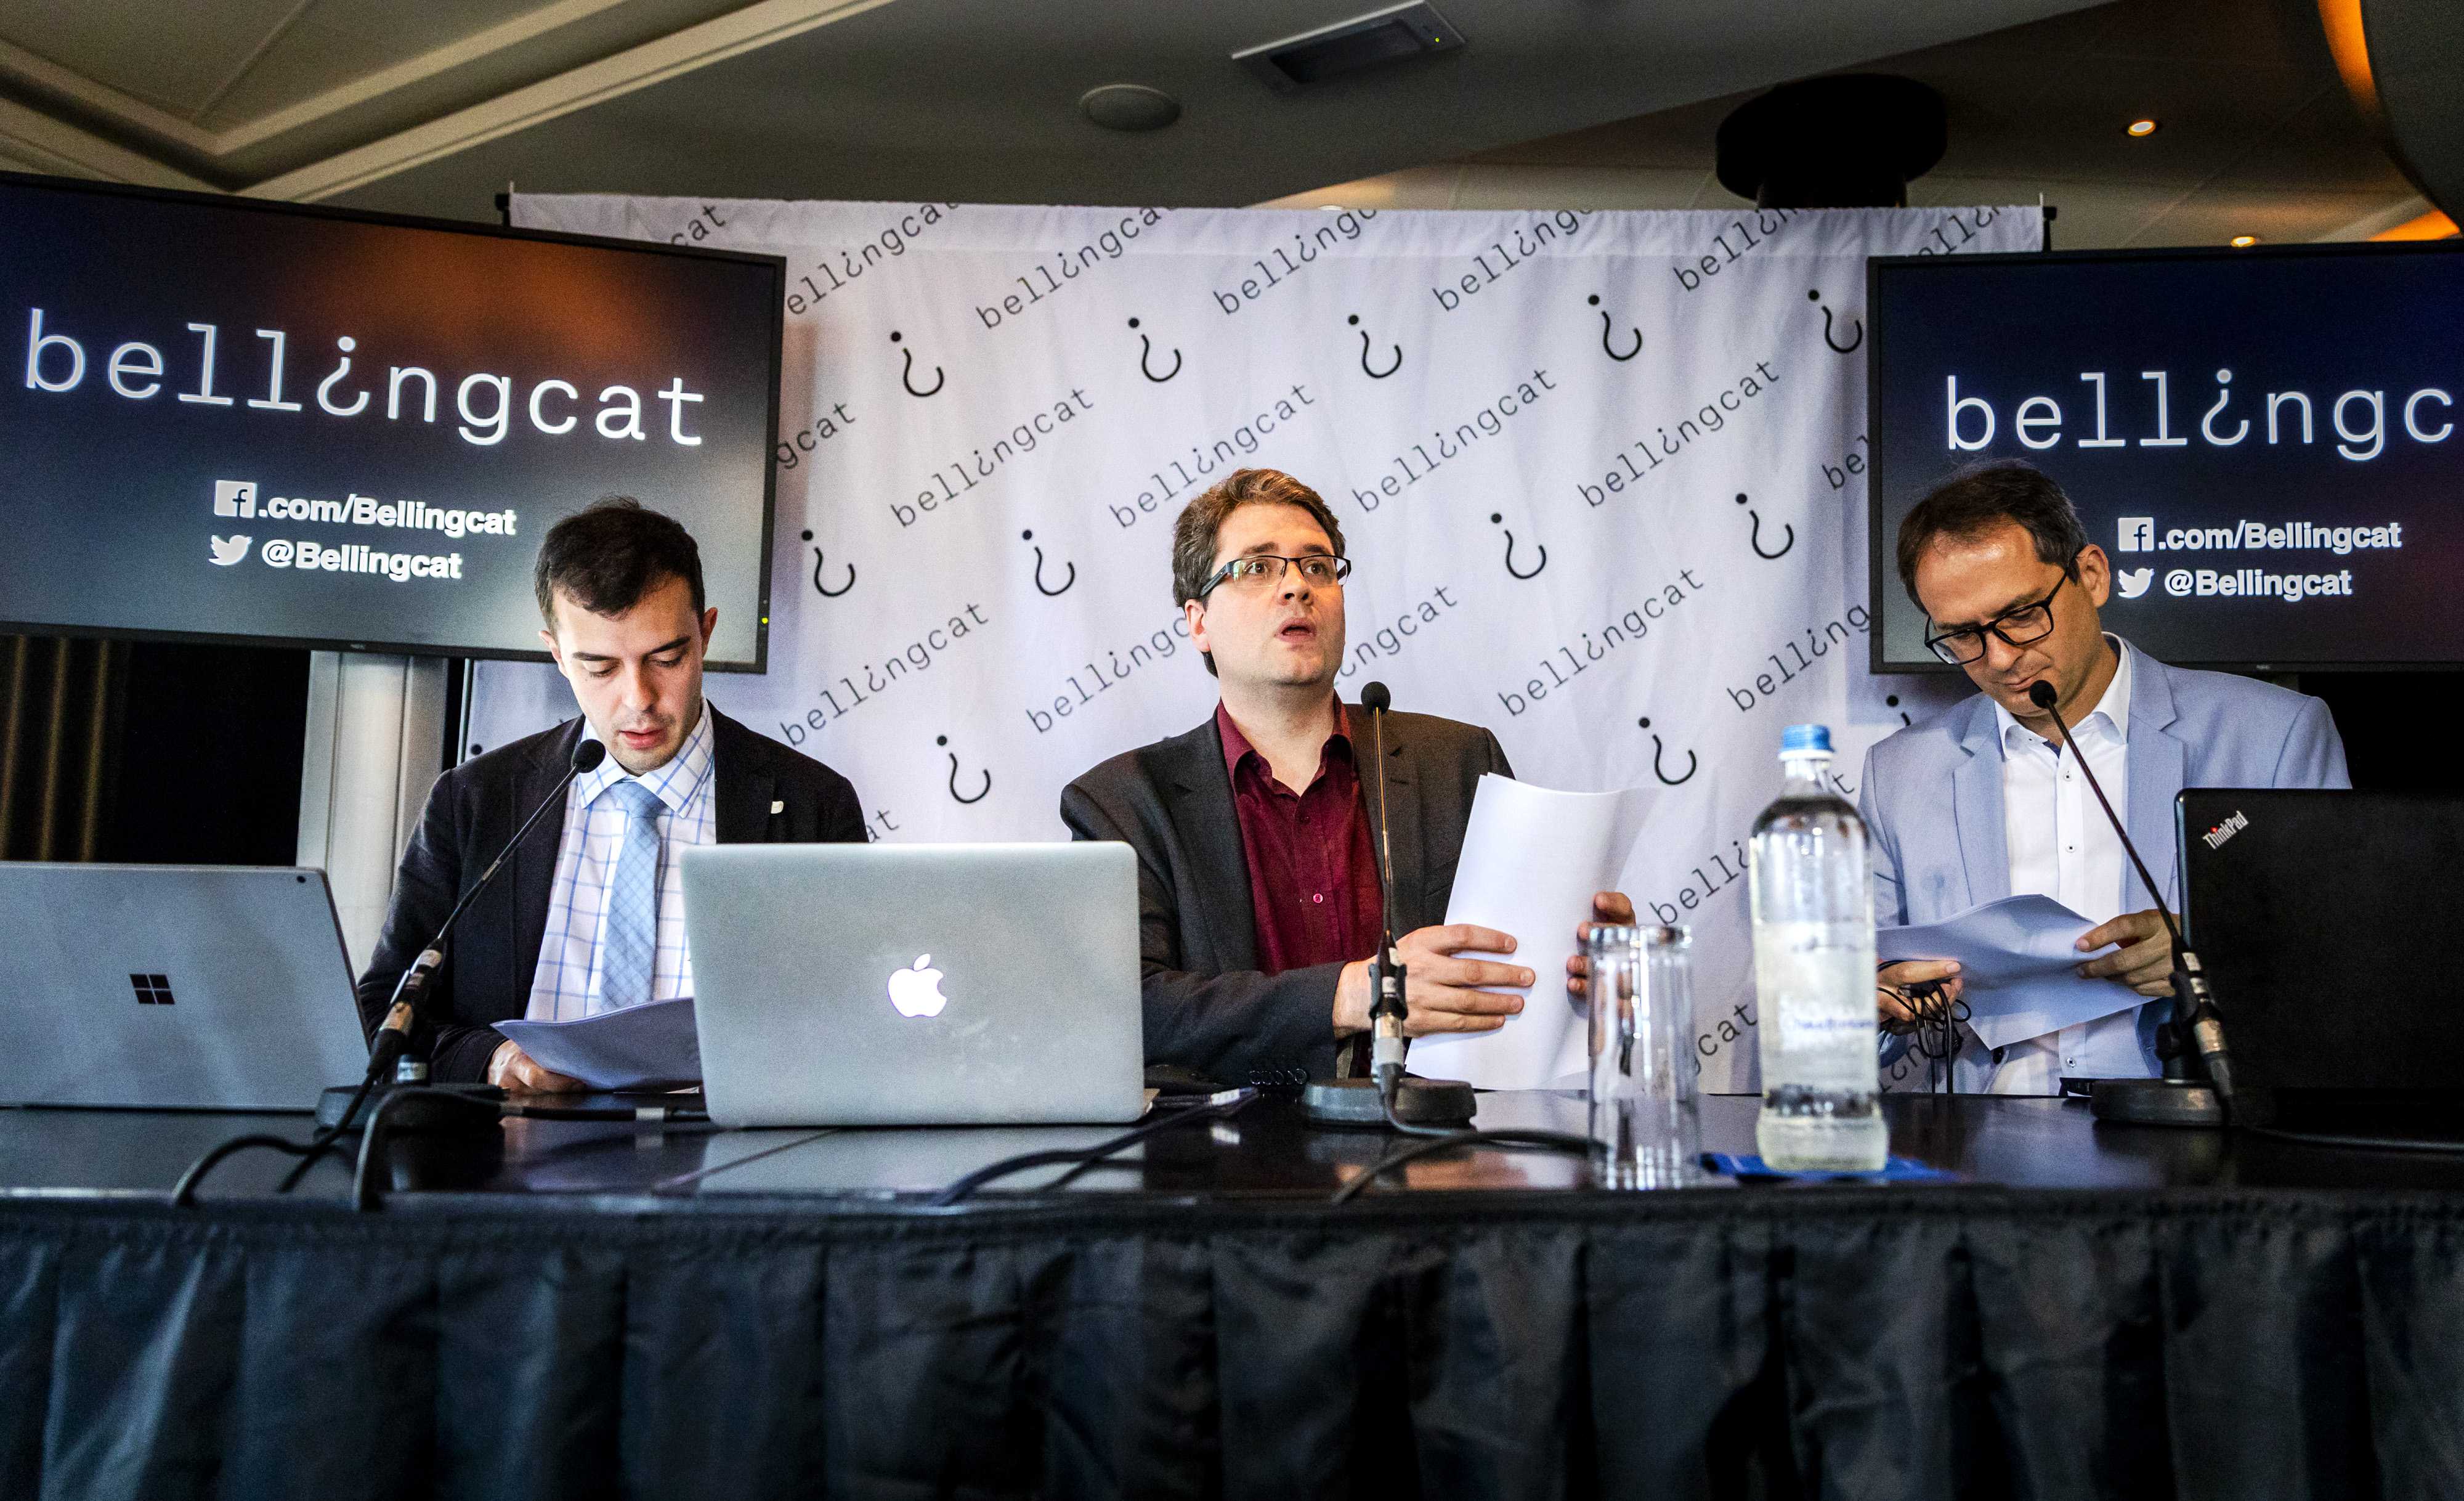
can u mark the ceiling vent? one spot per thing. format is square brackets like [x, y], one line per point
[1378, 40]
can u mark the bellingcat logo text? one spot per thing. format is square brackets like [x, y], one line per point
[490, 406]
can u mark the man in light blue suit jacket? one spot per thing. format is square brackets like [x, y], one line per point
[1979, 802]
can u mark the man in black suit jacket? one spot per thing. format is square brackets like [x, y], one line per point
[1257, 904]
[620, 590]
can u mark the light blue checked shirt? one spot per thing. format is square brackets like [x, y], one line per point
[567, 985]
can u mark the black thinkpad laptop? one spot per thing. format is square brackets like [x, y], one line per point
[2328, 923]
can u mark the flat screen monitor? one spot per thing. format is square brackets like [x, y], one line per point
[2267, 443]
[250, 422]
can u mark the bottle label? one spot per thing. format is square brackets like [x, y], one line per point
[1816, 994]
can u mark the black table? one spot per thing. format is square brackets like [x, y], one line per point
[2090, 1311]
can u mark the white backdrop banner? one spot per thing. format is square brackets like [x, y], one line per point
[1601, 475]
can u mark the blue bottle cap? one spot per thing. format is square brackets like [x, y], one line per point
[1805, 739]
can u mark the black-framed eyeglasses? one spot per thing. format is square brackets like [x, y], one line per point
[1261, 569]
[2023, 625]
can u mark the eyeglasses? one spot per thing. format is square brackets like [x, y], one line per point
[2025, 626]
[1263, 570]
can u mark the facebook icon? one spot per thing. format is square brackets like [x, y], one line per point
[236, 498]
[2138, 534]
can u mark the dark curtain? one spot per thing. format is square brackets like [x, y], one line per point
[161, 752]
[1968, 1343]
[59, 706]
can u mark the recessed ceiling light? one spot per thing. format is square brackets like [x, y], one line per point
[2243, 241]
[2140, 127]
[1128, 106]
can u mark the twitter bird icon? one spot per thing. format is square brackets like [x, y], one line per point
[2134, 583]
[228, 552]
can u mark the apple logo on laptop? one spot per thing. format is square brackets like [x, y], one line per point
[917, 991]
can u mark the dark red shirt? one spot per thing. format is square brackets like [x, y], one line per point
[1313, 875]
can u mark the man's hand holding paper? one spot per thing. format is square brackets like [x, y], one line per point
[2145, 960]
[2019, 967]
[1535, 862]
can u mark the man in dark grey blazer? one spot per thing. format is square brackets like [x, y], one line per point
[592, 919]
[1258, 896]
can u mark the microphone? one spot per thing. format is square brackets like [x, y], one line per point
[393, 1038]
[2199, 1018]
[1387, 1011]
[1386, 1098]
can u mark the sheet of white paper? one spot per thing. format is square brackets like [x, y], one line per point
[1531, 859]
[637, 1045]
[2017, 965]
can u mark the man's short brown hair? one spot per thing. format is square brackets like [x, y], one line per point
[1983, 497]
[1193, 536]
[610, 554]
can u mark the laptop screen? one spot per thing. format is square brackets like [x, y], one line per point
[2324, 920]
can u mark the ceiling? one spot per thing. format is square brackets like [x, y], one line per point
[433, 108]
[2256, 135]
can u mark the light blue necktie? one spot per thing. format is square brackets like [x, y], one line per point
[629, 946]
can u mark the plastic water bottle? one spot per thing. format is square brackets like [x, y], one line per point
[1814, 973]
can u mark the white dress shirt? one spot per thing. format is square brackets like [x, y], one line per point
[2062, 846]
[567, 985]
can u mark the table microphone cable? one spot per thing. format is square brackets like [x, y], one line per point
[1213, 1107]
[1933, 1027]
[326, 1138]
[183, 1194]
[1437, 1139]
[2354, 1143]
[392, 1040]
[480, 1112]
[329, 1139]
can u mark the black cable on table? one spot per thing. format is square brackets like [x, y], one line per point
[2340, 1141]
[322, 1142]
[364, 1196]
[363, 1199]
[184, 1193]
[329, 1139]
[1215, 1108]
[1932, 1026]
[1437, 1138]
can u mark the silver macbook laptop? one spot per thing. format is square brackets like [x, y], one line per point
[916, 984]
[220, 987]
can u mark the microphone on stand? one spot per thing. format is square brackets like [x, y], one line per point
[392, 1040]
[2183, 1101]
[468, 1114]
[1387, 1011]
[1386, 1092]
[1432, 1113]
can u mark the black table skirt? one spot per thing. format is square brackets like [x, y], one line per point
[1839, 1342]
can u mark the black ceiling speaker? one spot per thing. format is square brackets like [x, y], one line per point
[2406, 74]
[1128, 106]
[1849, 140]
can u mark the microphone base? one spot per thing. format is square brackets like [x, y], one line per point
[1417, 1102]
[331, 1103]
[2157, 1102]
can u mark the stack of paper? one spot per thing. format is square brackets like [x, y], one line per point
[640, 1047]
[1532, 860]
[2018, 966]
